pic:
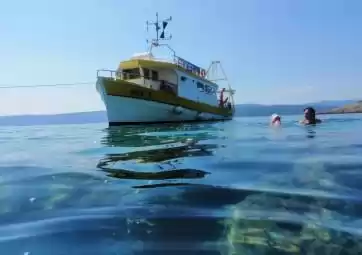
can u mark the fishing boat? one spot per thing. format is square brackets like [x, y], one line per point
[148, 90]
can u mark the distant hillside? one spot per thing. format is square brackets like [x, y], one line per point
[65, 118]
[334, 103]
[349, 108]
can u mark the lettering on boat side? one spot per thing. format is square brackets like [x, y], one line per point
[189, 66]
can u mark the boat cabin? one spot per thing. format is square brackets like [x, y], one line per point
[180, 79]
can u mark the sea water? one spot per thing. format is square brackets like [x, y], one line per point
[236, 187]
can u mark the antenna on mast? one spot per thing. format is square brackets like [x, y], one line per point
[160, 35]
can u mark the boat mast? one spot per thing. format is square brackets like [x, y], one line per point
[212, 75]
[155, 42]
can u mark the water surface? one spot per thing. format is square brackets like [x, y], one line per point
[237, 187]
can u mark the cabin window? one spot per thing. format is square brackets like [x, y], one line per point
[146, 73]
[131, 73]
[207, 89]
[200, 86]
[154, 75]
[183, 78]
[211, 90]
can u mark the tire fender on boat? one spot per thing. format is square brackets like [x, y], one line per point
[199, 115]
[177, 110]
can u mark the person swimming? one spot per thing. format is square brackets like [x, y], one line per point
[275, 120]
[309, 117]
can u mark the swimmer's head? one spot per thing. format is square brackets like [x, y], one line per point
[275, 119]
[309, 113]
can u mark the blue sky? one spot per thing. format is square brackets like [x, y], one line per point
[278, 51]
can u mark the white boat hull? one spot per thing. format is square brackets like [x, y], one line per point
[130, 110]
[127, 110]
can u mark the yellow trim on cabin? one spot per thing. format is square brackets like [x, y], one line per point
[135, 63]
[124, 88]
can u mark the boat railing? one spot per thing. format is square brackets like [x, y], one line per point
[114, 75]
[110, 74]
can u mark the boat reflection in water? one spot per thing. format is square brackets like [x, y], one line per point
[167, 160]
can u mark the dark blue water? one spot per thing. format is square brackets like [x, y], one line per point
[237, 187]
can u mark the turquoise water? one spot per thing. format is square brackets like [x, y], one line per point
[237, 187]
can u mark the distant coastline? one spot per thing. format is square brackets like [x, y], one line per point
[331, 113]
[346, 109]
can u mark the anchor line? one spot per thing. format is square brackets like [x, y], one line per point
[45, 85]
